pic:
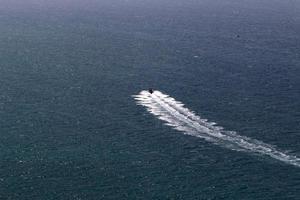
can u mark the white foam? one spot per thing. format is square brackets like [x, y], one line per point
[182, 119]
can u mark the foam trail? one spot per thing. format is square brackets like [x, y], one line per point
[180, 118]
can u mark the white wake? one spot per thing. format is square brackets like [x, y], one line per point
[180, 118]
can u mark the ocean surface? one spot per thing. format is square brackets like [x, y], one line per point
[76, 123]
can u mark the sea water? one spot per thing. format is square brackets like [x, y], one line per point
[71, 128]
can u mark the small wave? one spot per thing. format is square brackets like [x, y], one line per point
[174, 114]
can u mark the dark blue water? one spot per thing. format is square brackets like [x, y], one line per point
[70, 129]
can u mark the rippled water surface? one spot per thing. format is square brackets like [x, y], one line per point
[70, 127]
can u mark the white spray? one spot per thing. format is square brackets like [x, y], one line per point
[182, 119]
